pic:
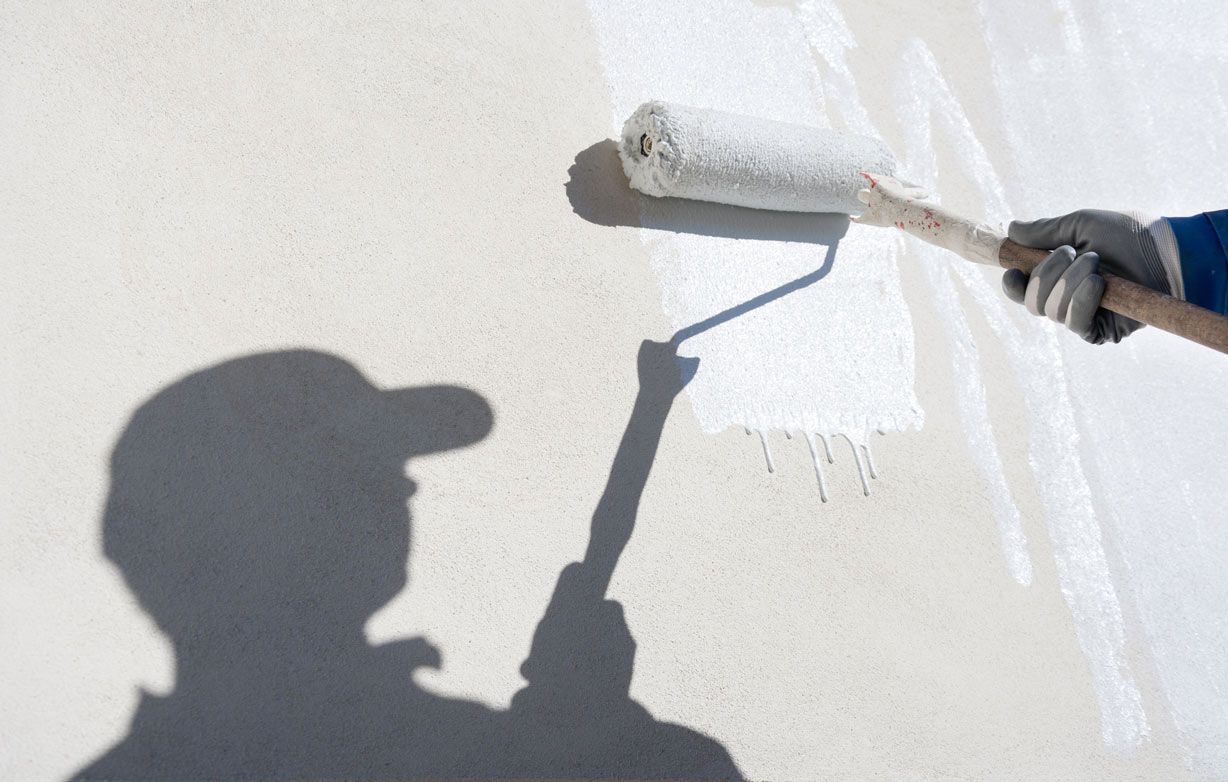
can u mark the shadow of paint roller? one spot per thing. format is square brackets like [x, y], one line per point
[670, 150]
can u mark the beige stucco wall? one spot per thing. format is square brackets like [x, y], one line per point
[186, 185]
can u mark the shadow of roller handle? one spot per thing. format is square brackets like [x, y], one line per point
[1132, 300]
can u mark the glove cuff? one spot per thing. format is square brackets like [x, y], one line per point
[1165, 263]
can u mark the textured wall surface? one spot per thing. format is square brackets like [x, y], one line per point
[333, 447]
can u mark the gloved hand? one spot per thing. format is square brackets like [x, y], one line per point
[1067, 285]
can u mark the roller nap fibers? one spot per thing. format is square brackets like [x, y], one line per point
[684, 152]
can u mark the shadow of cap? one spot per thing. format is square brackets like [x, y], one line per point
[305, 402]
[435, 418]
[309, 395]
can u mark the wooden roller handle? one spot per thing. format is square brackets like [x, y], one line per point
[1137, 302]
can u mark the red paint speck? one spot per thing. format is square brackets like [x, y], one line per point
[873, 182]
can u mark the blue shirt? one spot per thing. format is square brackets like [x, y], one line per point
[1202, 241]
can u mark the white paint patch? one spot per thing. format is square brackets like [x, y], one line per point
[1053, 442]
[798, 320]
[1138, 98]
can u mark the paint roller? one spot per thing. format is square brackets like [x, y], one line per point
[674, 151]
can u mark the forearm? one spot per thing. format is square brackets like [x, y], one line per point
[614, 517]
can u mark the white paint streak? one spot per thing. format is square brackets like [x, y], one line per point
[830, 37]
[1053, 443]
[802, 361]
[974, 411]
[1138, 97]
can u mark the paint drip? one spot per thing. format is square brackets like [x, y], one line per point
[767, 452]
[861, 472]
[818, 467]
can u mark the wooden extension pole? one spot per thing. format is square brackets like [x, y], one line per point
[1137, 302]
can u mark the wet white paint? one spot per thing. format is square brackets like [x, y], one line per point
[1143, 124]
[869, 460]
[1031, 344]
[818, 467]
[803, 361]
[830, 37]
[827, 448]
[861, 472]
[767, 452]
[1081, 562]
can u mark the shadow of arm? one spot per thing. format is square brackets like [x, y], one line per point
[662, 375]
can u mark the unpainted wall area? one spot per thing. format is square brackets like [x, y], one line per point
[277, 275]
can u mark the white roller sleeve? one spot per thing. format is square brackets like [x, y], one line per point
[684, 152]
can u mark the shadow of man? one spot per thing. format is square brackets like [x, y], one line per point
[258, 511]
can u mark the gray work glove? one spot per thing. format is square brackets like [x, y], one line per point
[1067, 285]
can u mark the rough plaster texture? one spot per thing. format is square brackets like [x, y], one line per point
[421, 191]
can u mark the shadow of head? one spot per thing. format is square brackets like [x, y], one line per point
[598, 191]
[269, 492]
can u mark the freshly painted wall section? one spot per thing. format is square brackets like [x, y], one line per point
[835, 354]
